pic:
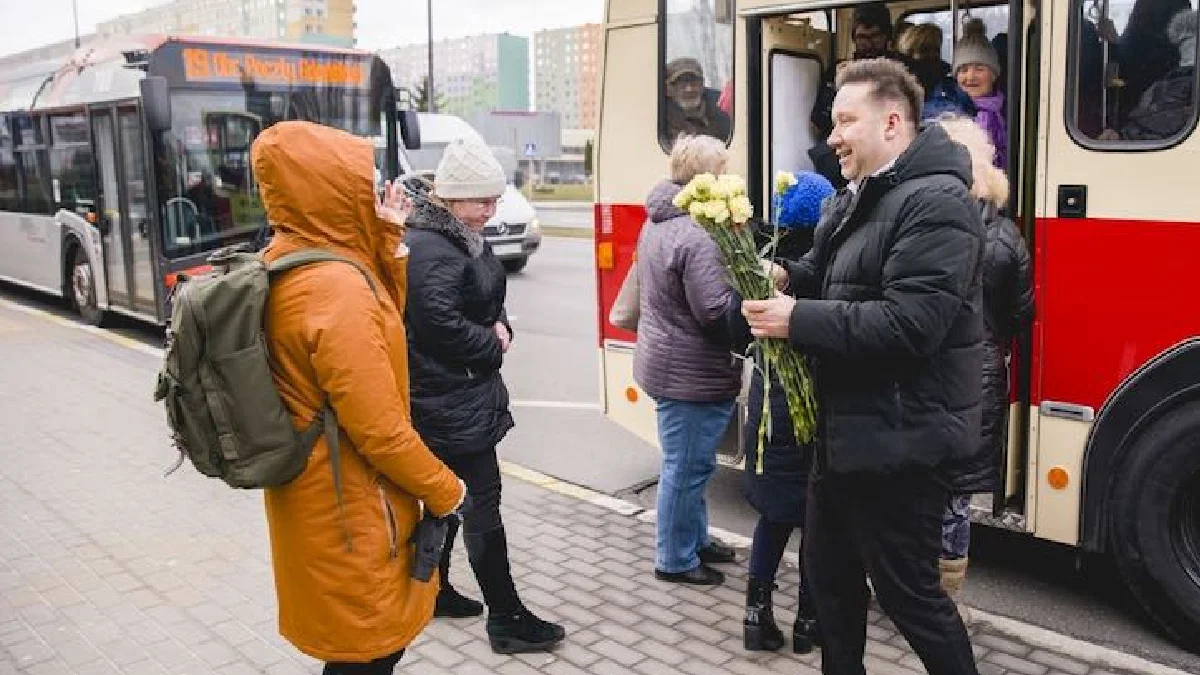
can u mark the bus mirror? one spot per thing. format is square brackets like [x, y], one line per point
[156, 101]
[410, 129]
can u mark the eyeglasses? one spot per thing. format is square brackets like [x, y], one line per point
[483, 202]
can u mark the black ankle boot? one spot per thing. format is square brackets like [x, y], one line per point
[511, 627]
[522, 631]
[759, 630]
[805, 632]
[451, 603]
[455, 605]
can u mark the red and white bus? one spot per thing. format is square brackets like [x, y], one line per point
[129, 161]
[1104, 443]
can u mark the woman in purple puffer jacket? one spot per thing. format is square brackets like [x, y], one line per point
[977, 69]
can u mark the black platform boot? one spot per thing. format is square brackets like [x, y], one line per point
[805, 634]
[759, 630]
[451, 603]
[511, 628]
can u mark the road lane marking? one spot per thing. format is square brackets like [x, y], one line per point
[558, 405]
[135, 345]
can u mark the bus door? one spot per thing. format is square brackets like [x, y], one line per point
[795, 52]
[125, 216]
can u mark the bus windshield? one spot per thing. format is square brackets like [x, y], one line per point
[207, 193]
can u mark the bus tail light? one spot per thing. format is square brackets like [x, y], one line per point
[604, 255]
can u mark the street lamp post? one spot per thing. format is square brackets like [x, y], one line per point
[75, 13]
[430, 95]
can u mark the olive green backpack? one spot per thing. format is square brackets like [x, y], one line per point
[225, 413]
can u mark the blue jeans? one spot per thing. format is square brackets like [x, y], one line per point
[689, 434]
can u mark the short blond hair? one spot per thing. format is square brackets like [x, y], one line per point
[694, 155]
[989, 183]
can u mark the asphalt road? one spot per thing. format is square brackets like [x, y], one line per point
[553, 375]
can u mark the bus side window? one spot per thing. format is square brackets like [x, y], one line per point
[72, 170]
[32, 169]
[1134, 68]
[697, 69]
[9, 197]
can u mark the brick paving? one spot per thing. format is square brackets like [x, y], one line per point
[107, 567]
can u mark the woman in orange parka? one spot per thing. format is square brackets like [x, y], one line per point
[345, 593]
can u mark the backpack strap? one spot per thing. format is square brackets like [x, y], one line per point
[313, 255]
[326, 420]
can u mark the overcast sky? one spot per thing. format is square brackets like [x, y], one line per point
[381, 23]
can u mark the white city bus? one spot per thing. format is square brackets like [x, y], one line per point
[129, 161]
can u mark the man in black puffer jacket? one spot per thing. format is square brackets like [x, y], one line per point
[889, 306]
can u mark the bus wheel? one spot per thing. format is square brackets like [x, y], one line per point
[1155, 522]
[515, 265]
[83, 289]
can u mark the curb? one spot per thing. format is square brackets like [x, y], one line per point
[1034, 636]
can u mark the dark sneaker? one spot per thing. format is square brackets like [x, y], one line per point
[455, 605]
[522, 632]
[716, 554]
[700, 575]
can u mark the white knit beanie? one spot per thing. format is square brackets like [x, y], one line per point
[468, 170]
[974, 48]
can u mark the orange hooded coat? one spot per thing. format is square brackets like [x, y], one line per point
[330, 335]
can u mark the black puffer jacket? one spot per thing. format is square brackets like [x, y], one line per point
[1007, 310]
[891, 308]
[456, 290]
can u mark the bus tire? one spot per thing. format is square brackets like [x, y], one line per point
[81, 282]
[1154, 521]
[515, 264]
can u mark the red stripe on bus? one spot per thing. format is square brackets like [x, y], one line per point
[171, 279]
[1111, 295]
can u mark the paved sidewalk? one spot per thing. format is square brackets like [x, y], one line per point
[107, 567]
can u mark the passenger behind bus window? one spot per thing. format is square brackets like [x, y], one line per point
[1145, 50]
[1167, 106]
[691, 107]
[923, 45]
[872, 32]
[977, 69]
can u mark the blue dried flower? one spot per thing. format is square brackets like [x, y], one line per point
[800, 205]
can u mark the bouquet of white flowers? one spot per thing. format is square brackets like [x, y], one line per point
[720, 205]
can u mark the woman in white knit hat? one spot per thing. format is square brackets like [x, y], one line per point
[458, 333]
[977, 69]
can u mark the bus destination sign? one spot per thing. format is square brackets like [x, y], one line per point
[203, 65]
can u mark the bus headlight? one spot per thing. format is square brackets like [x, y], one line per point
[535, 226]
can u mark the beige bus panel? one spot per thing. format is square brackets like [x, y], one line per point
[629, 161]
[638, 415]
[1117, 182]
[1060, 446]
[622, 12]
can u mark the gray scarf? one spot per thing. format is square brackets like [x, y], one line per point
[429, 216]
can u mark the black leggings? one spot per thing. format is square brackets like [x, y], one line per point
[770, 540]
[383, 666]
[480, 471]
